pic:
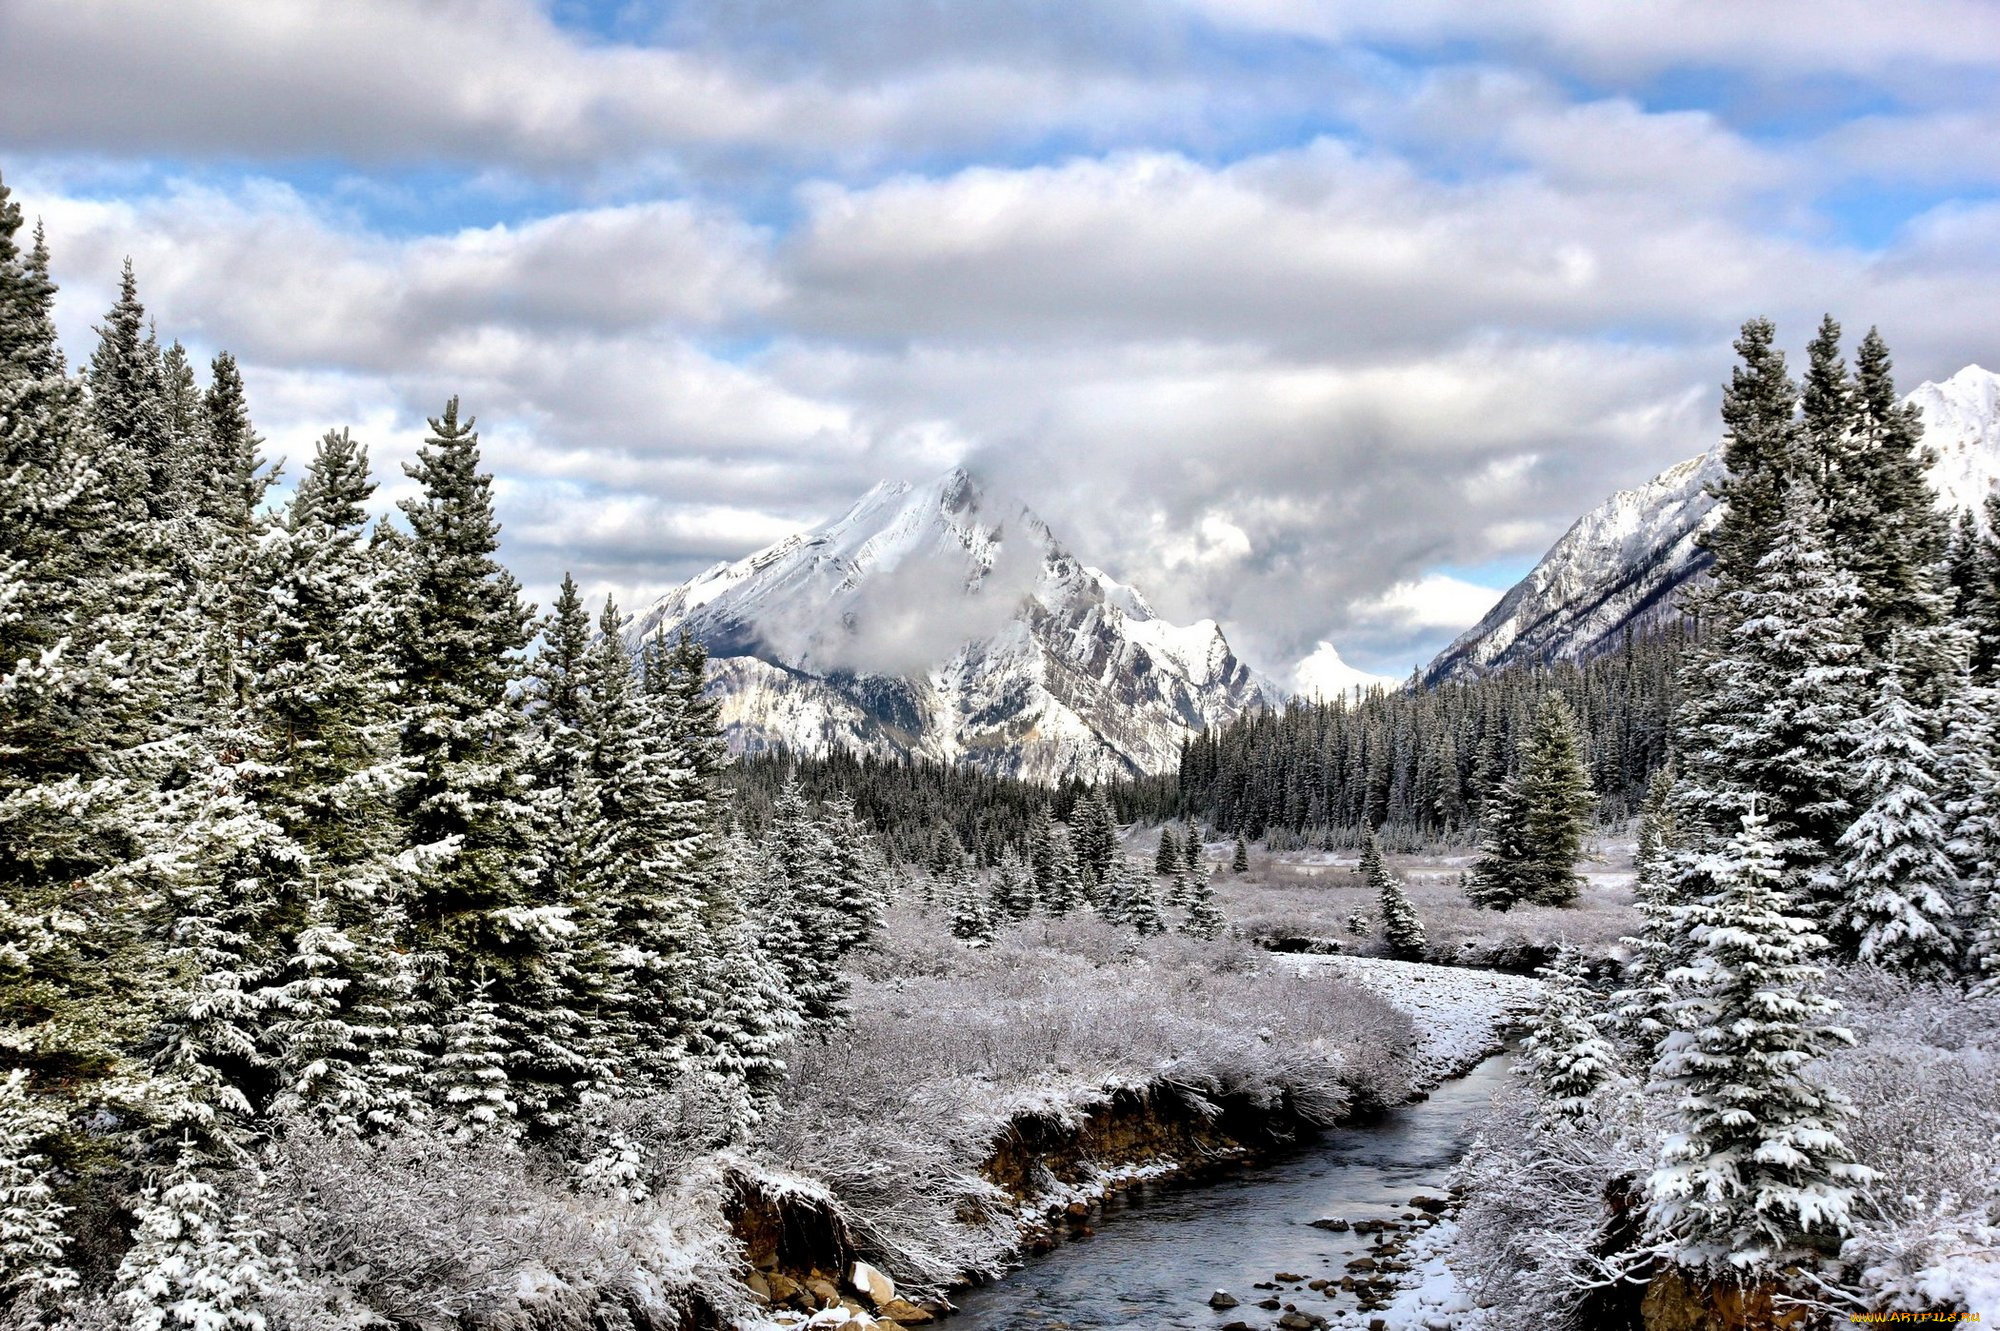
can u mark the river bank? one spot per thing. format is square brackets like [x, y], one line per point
[1058, 1171]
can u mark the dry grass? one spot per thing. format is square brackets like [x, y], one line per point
[1311, 894]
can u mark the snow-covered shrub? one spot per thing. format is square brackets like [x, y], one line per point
[895, 1116]
[1550, 1216]
[422, 1231]
[1926, 1072]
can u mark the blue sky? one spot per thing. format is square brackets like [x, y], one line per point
[1323, 319]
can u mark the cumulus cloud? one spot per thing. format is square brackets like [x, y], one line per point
[1262, 308]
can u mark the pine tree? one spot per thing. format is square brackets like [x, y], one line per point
[459, 629]
[1013, 890]
[1167, 858]
[641, 897]
[1502, 877]
[1062, 888]
[1894, 551]
[471, 1079]
[1759, 407]
[1895, 879]
[1239, 859]
[800, 902]
[1971, 789]
[1191, 851]
[193, 1266]
[1556, 802]
[1095, 835]
[1204, 916]
[1401, 926]
[1565, 1053]
[1772, 699]
[1755, 1169]
[1132, 900]
[33, 1246]
[971, 915]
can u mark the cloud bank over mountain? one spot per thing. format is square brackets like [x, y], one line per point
[1323, 320]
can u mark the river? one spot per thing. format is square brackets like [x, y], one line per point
[1161, 1250]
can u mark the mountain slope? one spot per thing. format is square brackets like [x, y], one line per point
[942, 622]
[1623, 564]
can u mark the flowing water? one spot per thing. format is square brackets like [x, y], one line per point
[1161, 1250]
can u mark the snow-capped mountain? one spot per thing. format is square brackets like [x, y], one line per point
[944, 622]
[1323, 674]
[1623, 563]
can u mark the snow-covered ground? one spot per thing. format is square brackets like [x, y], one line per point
[1460, 1015]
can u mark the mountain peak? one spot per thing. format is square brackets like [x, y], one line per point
[944, 621]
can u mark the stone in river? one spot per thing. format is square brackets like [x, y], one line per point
[1222, 1298]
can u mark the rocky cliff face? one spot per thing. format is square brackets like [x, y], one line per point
[944, 622]
[1623, 564]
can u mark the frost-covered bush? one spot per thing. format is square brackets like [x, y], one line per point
[421, 1231]
[1549, 1212]
[1925, 1075]
[895, 1116]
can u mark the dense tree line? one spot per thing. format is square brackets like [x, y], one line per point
[297, 837]
[921, 811]
[1420, 764]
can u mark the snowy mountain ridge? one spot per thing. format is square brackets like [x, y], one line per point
[1623, 564]
[941, 621]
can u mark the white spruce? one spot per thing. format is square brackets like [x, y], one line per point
[1894, 878]
[1753, 1169]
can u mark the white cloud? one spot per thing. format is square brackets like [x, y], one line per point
[1434, 601]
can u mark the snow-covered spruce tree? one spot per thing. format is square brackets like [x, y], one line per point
[1754, 1170]
[1204, 915]
[1134, 900]
[570, 724]
[971, 913]
[76, 709]
[1013, 889]
[1167, 856]
[213, 858]
[1641, 1001]
[1772, 699]
[1401, 926]
[192, 1265]
[470, 1081]
[1760, 444]
[1556, 803]
[1191, 850]
[1042, 850]
[227, 483]
[1094, 834]
[1897, 543]
[1894, 879]
[641, 903]
[858, 873]
[1502, 876]
[799, 900]
[33, 1247]
[329, 778]
[746, 1013]
[1062, 888]
[1566, 1055]
[460, 627]
[1239, 858]
[1969, 787]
